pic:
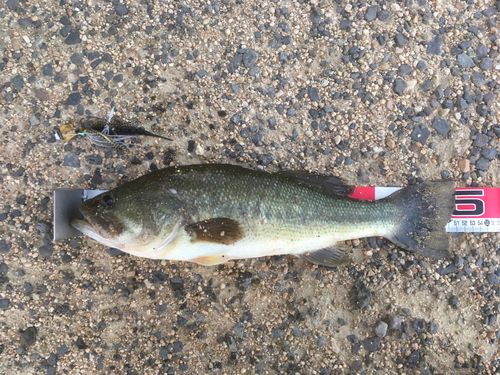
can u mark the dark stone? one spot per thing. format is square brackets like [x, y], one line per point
[71, 160]
[19, 172]
[135, 160]
[4, 303]
[383, 15]
[399, 86]
[45, 251]
[482, 110]
[47, 70]
[4, 245]
[250, 57]
[447, 270]
[404, 70]
[481, 51]
[381, 329]
[480, 141]
[493, 279]
[12, 5]
[62, 350]
[277, 333]
[453, 301]
[486, 63]
[360, 295]
[482, 164]
[94, 159]
[177, 347]
[461, 104]
[74, 98]
[414, 357]
[158, 277]
[73, 38]
[345, 25]
[29, 336]
[80, 344]
[371, 13]
[112, 252]
[489, 153]
[420, 134]
[43, 227]
[434, 45]
[252, 72]
[3, 269]
[479, 79]
[121, 10]
[433, 327]
[313, 94]
[235, 119]
[441, 126]
[489, 98]
[265, 159]
[18, 81]
[65, 20]
[372, 344]
[419, 325]
[245, 132]
[439, 92]
[400, 40]
[464, 61]
[395, 322]
[28, 287]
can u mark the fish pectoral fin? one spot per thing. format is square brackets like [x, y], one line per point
[218, 230]
[330, 256]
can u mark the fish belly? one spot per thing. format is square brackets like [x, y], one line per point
[266, 243]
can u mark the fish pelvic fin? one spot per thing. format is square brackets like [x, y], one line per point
[210, 260]
[424, 209]
[330, 256]
[218, 230]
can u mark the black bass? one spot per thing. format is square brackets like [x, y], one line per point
[209, 214]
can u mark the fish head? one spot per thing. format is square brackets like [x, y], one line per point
[138, 221]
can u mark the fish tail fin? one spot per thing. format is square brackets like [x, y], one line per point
[423, 211]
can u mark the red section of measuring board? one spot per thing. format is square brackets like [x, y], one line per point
[364, 193]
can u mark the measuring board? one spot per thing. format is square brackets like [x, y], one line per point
[476, 209]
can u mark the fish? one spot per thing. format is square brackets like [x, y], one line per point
[212, 213]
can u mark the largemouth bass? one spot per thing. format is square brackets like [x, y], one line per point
[209, 214]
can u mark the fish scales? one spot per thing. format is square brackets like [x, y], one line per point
[289, 209]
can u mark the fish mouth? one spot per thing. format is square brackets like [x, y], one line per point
[95, 232]
[85, 226]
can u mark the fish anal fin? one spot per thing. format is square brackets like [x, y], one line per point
[210, 260]
[331, 256]
[218, 230]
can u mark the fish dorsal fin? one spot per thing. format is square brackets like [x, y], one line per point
[328, 184]
[330, 256]
[218, 230]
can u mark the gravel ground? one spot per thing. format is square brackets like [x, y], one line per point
[381, 93]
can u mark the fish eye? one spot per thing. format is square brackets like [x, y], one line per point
[108, 200]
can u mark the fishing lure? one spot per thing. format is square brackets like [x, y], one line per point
[107, 134]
